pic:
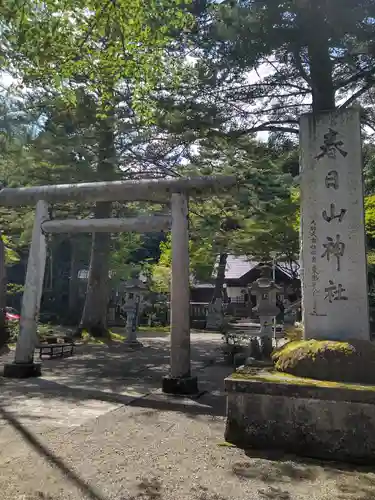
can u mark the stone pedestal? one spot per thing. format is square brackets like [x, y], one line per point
[179, 381]
[134, 292]
[266, 325]
[27, 339]
[180, 385]
[266, 335]
[266, 290]
[268, 412]
[215, 316]
[334, 274]
[131, 323]
[22, 370]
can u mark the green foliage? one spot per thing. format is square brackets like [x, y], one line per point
[121, 263]
[92, 74]
[258, 65]
[14, 289]
[370, 219]
[275, 234]
[11, 256]
[13, 328]
[161, 271]
[102, 43]
[258, 219]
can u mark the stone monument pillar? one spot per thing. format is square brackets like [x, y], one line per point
[180, 381]
[334, 271]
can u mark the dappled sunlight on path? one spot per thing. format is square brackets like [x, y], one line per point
[97, 426]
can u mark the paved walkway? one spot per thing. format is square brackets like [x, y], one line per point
[96, 426]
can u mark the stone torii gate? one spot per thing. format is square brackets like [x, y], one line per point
[175, 191]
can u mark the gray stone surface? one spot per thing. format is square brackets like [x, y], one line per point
[97, 427]
[215, 316]
[333, 233]
[27, 338]
[180, 288]
[335, 423]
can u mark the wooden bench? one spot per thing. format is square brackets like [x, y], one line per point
[54, 349]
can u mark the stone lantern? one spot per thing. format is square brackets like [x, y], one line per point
[266, 291]
[134, 290]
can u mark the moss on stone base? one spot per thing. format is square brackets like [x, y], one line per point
[284, 378]
[351, 362]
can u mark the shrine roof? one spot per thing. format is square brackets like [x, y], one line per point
[238, 266]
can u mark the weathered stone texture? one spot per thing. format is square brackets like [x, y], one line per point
[333, 252]
[335, 424]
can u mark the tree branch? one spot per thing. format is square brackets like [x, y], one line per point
[299, 66]
[357, 94]
[354, 78]
[264, 127]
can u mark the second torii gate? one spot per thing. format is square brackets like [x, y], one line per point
[180, 379]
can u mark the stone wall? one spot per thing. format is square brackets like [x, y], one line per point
[320, 422]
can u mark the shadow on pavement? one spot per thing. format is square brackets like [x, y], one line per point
[353, 482]
[207, 404]
[44, 452]
[113, 374]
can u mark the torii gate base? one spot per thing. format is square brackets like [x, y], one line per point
[179, 380]
[22, 370]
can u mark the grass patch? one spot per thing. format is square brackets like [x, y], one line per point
[116, 337]
[113, 337]
[284, 378]
[155, 329]
[89, 339]
[225, 444]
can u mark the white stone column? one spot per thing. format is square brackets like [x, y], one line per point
[27, 339]
[180, 380]
[180, 289]
[333, 255]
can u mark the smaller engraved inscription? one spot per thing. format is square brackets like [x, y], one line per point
[335, 292]
[314, 277]
[331, 146]
[314, 270]
[333, 215]
[313, 240]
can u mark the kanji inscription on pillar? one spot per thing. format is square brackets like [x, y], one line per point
[333, 252]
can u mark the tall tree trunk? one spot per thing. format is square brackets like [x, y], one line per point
[94, 315]
[4, 335]
[220, 277]
[321, 68]
[323, 95]
[73, 280]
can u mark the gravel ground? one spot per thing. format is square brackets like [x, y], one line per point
[96, 426]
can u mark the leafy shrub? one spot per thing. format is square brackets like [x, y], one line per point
[14, 329]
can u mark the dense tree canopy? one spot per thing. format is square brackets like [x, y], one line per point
[132, 89]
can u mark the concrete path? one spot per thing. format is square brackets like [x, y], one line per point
[96, 426]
